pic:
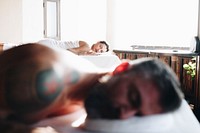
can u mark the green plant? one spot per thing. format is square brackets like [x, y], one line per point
[190, 67]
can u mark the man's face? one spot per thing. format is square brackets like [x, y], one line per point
[99, 47]
[125, 98]
[133, 96]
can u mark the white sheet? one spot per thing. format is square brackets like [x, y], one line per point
[61, 121]
[7, 46]
[62, 124]
[179, 121]
[106, 61]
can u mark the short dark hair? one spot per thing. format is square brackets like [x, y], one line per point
[107, 46]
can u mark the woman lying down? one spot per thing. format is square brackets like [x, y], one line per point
[44, 90]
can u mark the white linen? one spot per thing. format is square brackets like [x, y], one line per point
[61, 120]
[106, 61]
[179, 121]
[76, 62]
[62, 124]
[7, 46]
[60, 44]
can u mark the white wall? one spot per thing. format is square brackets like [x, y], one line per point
[110, 28]
[69, 20]
[130, 22]
[32, 20]
[90, 20]
[152, 22]
[83, 20]
[21, 20]
[11, 21]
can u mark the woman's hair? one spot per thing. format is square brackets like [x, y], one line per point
[107, 46]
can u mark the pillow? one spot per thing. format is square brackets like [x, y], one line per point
[179, 121]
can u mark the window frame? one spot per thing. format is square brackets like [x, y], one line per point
[58, 33]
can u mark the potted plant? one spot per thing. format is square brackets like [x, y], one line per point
[190, 67]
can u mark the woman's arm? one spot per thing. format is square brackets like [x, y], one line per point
[83, 47]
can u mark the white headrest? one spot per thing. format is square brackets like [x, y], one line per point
[179, 121]
[77, 62]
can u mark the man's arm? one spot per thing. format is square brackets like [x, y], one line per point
[83, 47]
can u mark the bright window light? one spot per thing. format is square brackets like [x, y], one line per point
[154, 22]
[51, 19]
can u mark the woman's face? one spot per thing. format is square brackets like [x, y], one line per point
[99, 47]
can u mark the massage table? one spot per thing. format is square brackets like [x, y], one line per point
[107, 60]
[181, 120]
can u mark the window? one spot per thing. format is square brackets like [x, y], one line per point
[52, 19]
[154, 22]
[83, 20]
[170, 23]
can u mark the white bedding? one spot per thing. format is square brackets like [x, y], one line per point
[179, 121]
[7, 46]
[106, 61]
